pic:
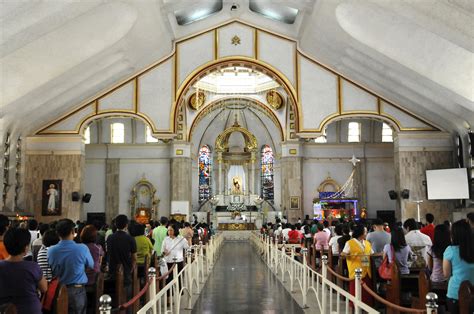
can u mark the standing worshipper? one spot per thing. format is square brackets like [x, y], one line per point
[50, 238]
[122, 249]
[69, 261]
[429, 228]
[4, 223]
[20, 279]
[159, 234]
[172, 249]
[379, 237]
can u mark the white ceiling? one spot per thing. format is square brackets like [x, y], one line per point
[55, 54]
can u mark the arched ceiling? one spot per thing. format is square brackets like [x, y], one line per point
[247, 115]
[56, 54]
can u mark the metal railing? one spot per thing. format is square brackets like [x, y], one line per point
[187, 282]
[329, 297]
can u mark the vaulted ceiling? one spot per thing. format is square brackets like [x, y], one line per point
[56, 54]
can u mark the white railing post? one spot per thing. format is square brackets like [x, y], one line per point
[304, 252]
[324, 259]
[175, 287]
[189, 277]
[293, 268]
[358, 289]
[431, 306]
[105, 304]
[152, 288]
[201, 262]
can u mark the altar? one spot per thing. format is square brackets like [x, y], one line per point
[236, 226]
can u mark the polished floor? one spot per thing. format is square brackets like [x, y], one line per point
[241, 283]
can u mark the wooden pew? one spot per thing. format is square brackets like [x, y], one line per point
[466, 298]
[8, 308]
[135, 290]
[94, 292]
[115, 287]
[60, 302]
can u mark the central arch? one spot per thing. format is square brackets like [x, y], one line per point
[222, 141]
[258, 65]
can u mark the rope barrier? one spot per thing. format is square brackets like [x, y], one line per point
[135, 298]
[166, 274]
[390, 304]
[337, 275]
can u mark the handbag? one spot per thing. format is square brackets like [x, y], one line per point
[385, 269]
[50, 295]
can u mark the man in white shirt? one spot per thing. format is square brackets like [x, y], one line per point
[285, 232]
[415, 238]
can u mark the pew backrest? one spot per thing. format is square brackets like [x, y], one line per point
[466, 297]
[8, 308]
[60, 303]
[99, 290]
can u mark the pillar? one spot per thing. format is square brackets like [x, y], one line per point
[253, 180]
[112, 188]
[220, 174]
[54, 158]
[414, 153]
[292, 180]
[181, 172]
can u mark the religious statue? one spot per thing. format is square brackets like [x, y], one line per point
[236, 189]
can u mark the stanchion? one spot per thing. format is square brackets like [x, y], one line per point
[324, 259]
[431, 305]
[105, 304]
[304, 252]
[358, 289]
[152, 288]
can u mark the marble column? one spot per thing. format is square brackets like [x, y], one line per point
[292, 180]
[220, 175]
[112, 188]
[414, 153]
[181, 172]
[252, 172]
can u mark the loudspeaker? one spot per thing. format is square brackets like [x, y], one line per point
[76, 196]
[86, 198]
[405, 194]
[392, 194]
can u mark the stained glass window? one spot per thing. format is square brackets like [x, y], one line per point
[205, 165]
[267, 161]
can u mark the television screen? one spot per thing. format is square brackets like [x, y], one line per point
[447, 184]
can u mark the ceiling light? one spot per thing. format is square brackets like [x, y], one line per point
[198, 12]
[274, 11]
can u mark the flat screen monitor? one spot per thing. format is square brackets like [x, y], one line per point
[447, 184]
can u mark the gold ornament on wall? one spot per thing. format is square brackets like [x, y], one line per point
[235, 40]
[274, 99]
[196, 100]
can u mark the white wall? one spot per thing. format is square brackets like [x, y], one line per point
[95, 185]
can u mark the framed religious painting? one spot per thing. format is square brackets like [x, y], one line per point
[294, 202]
[51, 198]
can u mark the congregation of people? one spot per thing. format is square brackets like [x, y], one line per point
[444, 251]
[37, 257]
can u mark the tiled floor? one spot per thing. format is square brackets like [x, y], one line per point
[241, 283]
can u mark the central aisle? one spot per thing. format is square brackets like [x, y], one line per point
[241, 283]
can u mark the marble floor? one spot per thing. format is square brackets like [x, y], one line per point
[241, 283]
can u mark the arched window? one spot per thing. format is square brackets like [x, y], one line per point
[387, 133]
[87, 135]
[149, 137]
[267, 161]
[205, 165]
[117, 133]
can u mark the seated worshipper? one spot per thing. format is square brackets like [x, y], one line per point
[345, 237]
[36, 245]
[4, 224]
[378, 238]
[294, 236]
[442, 239]
[19, 279]
[429, 228]
[144, 247]
[89, 238]
[188, 233]
[172, 248]
[419, 243]
[402, 251]
[285, 231]
[122, 249]
[357, 252]
[458, 262]
[50, 238]
[333, 241]
[321, 239]
[69, 261]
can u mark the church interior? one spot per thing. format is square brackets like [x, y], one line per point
[238, 113]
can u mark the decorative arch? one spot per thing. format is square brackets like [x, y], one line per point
[222, 102]
[222, 141]
[84, 123]
[392, 122]
[211, 66]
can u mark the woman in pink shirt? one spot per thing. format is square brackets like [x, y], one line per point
[321, 238]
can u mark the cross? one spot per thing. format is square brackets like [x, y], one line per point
[354, 160]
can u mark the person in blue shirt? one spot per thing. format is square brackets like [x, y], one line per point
[69, 261]
[458, 262]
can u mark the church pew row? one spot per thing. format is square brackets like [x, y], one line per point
[466, 298]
